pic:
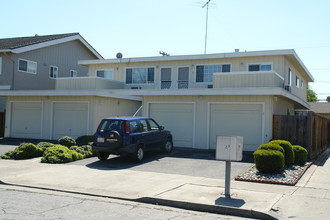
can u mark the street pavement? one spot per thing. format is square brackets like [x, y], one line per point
[308, 199]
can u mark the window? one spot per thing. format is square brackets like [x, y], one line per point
[183, 77]
[260, 67]
[289, 77]
[153, 125]
[204, 73]
[27, 66]
[0, 65]
[73, 73]
[140, 75]
[107, 74]
[302, 84]
[165, 76]
[297, 82]
[53, 71]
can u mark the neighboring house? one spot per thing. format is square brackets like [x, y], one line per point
[197, 97]
[321, 108]
[34, 62]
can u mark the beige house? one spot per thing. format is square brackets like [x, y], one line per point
[197, 97]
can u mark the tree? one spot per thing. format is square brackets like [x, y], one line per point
[328, 99]
[311, 95]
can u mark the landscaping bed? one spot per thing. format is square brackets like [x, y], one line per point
[290, 175]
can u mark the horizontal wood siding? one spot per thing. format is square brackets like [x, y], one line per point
[87, 83]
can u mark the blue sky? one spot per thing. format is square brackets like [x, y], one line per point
[139, 28]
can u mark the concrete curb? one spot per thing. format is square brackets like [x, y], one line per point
[216, 209]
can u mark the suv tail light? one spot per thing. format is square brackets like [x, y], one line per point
[127, 127]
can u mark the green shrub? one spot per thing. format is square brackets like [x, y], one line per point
[60, 154]
[300, 155]
[84, 140]
[44, 145]
[271, 146]
[269, 161]
[85, 150]
[23, 151]
[288, 150]
[66, 141]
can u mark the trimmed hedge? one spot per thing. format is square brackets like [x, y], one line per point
[271, 146]
[84, 140]
[85, 150]
[60, 154]
[23, 151]
[300, 155]
[44, 145]
[288, 150]
[67, 141]
[269, 161]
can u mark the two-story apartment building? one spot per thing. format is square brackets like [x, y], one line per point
[197, 97]
[33, 63]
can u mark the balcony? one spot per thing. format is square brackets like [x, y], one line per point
[248, 79]
[87, 83]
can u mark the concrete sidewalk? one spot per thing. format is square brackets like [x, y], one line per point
[309, 199]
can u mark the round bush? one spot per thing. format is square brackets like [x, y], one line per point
[271, 146]
[23, 151]
[85, 150]
[67, 141]
[84, 140]
[269, 161]
[300, 155]
[288, 150]
[60, 154]
[44, 145]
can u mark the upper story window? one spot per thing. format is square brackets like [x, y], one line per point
[27, 66]
[0, 65]
[204, 73]
[297, 82]
[140, 75]
[53, 71]
[260, 67]
[289, 77]
[73, 73]
[107, 74]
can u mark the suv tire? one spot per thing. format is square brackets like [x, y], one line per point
[139, 154]
[103, 156]
[168, 146]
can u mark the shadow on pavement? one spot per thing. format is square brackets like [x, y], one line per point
[227, 201]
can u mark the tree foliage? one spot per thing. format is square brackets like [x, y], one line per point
[311, 95]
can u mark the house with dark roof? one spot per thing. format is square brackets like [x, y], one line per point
[321, 108]
[33, 63]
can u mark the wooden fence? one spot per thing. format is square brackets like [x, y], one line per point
[2, 124]
[306, 129]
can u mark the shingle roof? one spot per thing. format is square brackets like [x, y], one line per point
[13, 43]
[320, 107]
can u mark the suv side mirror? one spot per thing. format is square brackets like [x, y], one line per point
[161, 127]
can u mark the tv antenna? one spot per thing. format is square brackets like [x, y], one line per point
[164, 54]
[207, 15]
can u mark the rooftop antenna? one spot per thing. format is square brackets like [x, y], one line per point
[164, 54]
[207, 15]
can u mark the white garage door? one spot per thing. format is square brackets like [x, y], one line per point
[26, 120]
[70, 119]
[176, 117]
[237, 120]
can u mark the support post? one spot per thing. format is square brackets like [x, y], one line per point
[227, 180]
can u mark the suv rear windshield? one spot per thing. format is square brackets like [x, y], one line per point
[110, 125]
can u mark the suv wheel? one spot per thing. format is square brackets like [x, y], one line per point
[139, 154]
[103, 156]
[168, 146]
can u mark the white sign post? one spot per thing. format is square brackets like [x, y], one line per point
[229, 148]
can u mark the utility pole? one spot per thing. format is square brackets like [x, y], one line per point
[207, 15]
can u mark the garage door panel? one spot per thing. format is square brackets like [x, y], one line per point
[176, 117]
[26, 120]
[237, 120]
[70, 119]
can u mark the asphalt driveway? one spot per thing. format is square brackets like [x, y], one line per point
[183, 161]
